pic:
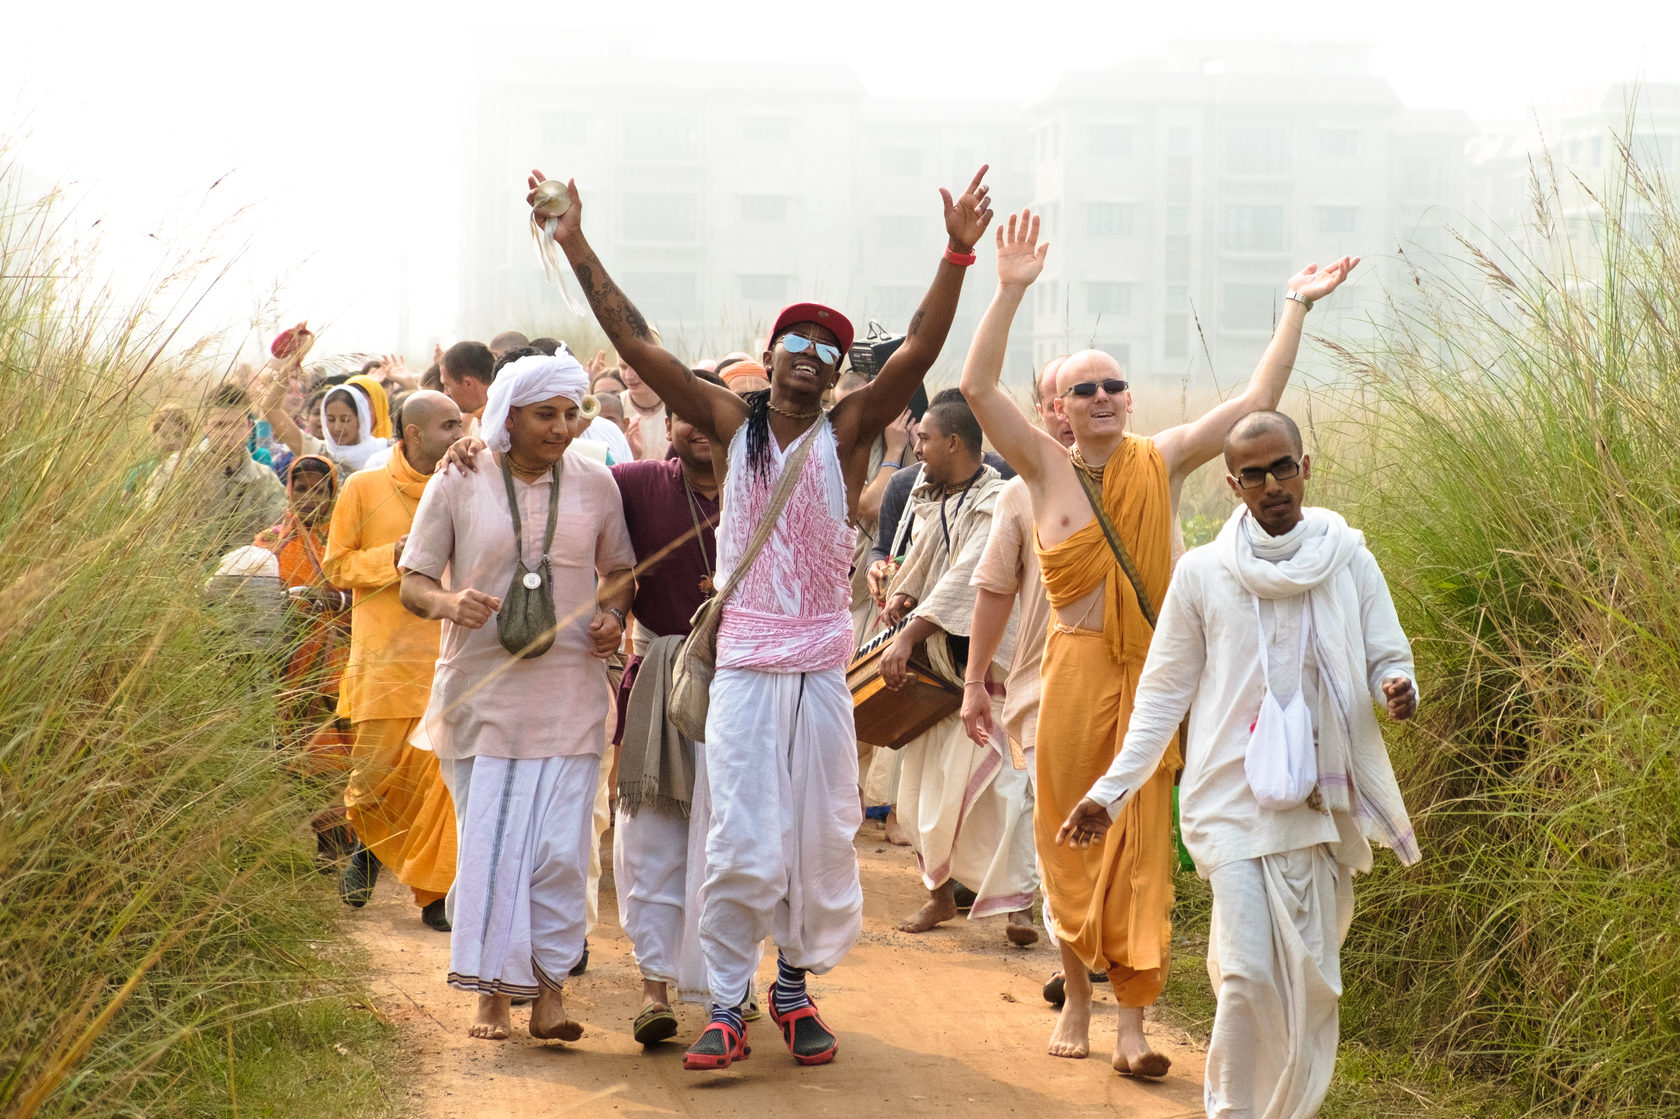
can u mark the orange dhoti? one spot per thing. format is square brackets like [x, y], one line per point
[1110, 903]
[400, 809]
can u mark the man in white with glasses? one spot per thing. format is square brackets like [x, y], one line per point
[1279, 638]
[1104, 520]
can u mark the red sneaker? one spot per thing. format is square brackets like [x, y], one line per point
[717, 1047]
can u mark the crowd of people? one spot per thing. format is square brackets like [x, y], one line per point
[533, 598]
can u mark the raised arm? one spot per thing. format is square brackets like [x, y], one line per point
[866, 413]
[269, 392]
[712, 408]
[1020, 259]
[1190, 445]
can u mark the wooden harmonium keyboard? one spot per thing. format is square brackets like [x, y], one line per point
[893, 719]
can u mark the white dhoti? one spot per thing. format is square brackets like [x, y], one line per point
[602, 820]
[781, 766]
[659, 861]
[880, 781]
[1274, 957]
[518, 901]
[969, 814]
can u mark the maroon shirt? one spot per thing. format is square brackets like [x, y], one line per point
[657, 512]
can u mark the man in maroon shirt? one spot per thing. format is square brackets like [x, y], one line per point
[671, 508]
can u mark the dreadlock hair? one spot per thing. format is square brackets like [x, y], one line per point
[758, 433]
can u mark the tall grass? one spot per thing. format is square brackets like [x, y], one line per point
[158, 909]
[1520, 424]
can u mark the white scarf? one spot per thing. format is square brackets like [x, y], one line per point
[530, 380]
[1310, 564]
[351, 457]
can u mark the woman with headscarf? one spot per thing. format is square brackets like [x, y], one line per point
[319, 635]
[347, 424]
[522, 712]
[379, 403]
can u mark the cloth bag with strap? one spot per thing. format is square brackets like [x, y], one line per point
[525, 625]
[691, 679]
[1147, 607]
[1282, 758]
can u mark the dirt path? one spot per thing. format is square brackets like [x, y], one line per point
[948, 1022]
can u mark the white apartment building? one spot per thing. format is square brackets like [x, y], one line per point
[1178, 192]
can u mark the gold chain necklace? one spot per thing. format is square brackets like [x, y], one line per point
[793, 415]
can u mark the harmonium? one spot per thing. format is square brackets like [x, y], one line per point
[893, 719]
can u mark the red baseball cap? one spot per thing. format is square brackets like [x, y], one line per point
[826, 317]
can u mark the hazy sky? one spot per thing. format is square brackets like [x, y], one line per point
[335, 124]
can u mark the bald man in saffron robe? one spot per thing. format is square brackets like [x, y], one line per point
[1109, 904]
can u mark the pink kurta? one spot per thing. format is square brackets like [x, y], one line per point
[792, 611]
[490, 703]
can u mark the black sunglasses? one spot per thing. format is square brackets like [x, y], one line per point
[1113, 387]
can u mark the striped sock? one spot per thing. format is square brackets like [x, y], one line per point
[730, 1016]
[788, 992]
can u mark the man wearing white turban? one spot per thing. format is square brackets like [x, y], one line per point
[522, 733]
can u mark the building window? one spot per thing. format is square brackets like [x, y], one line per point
[1337, 219]
[651, 137]
[1338, 141]
[901, 159]
[1108, 219]
[765, 286]
[764, 207]
[1176, 258]
[1654, 151]
[1121, 352]
[1175, 335]
[1423, 178]
[1178, 141]
[1178, 178]
[660, 219]
[901, 232]
[1254, 229]
[1176, 297]
[1256, 151]
[1105, 298]
[664, 294]
[766, 130]
[1246, 307]
[564, 130]
[1178, 219]
[1110, 141]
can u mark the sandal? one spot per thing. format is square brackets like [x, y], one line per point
[654, 1024]
[808, 1038]
[717, 1047]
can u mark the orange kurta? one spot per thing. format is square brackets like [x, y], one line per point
[1110, 903]
[392, 652]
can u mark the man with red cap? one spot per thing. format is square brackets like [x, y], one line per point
[781, 754]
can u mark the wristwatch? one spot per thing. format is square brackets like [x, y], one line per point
[1299, 298]
[617, 613]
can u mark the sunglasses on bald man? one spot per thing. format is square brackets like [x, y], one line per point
[798, 344]
[1113, 386]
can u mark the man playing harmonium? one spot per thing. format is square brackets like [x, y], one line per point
[967, 809]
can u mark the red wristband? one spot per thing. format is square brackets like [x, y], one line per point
[961, 260]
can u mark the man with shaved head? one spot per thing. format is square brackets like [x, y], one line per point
[398, 805]
[1285, 614]
[1103, 522]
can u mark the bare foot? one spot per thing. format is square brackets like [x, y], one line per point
[941, 906]
[1020, 930]
[655, 993]
[1072, 1035]
[895, 834]
[548, 1017]
[1132, 1055]
[494, 1021]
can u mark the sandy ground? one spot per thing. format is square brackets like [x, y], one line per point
[951, 1021]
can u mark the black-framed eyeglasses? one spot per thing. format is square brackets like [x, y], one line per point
[798, 344]
[1113, 386]
[1254, 477]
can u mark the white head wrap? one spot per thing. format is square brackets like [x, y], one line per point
[529, 381]
[350, 456]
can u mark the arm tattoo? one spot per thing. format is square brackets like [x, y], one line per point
[915, 322]
[611, 306]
